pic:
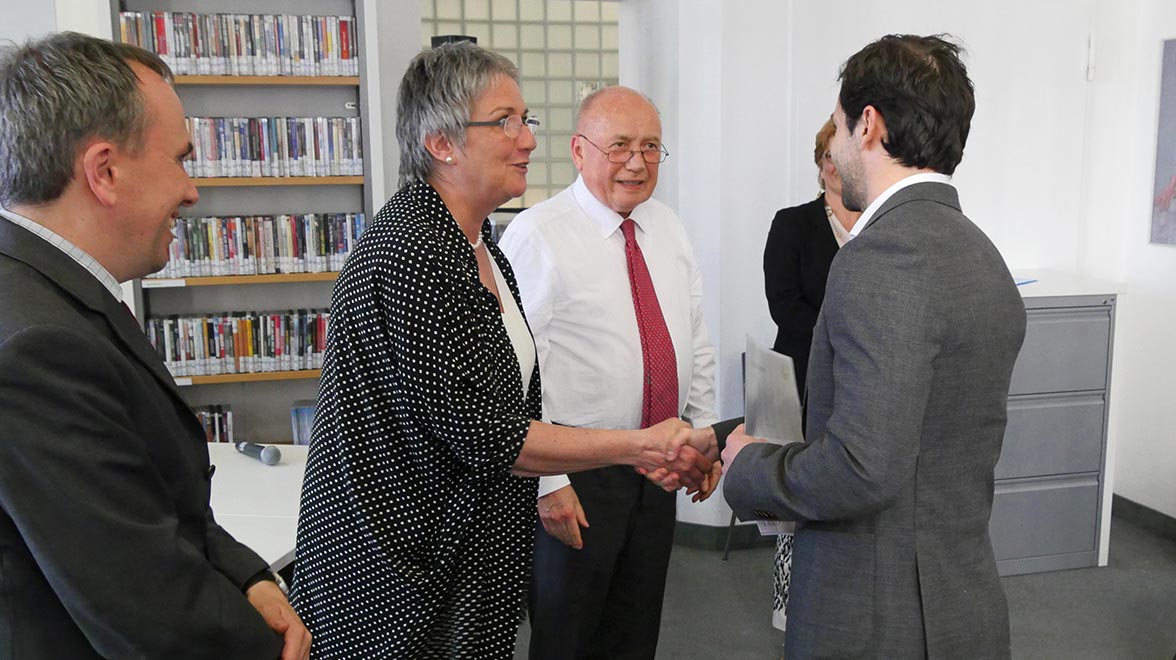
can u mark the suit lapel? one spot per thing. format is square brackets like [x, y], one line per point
[127, 328]
[21, 245]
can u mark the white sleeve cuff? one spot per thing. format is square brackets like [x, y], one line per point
[704, 422]
[548, 485]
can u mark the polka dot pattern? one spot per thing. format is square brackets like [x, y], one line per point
[414, 540]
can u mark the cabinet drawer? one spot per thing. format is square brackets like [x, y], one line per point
[1047, 516]
[1065, 350]
[1053, 434]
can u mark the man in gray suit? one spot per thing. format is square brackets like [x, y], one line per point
[108, 547]
[908, 380]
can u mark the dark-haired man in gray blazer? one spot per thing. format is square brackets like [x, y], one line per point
[908, 380]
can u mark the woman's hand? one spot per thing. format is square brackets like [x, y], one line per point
[668, 459]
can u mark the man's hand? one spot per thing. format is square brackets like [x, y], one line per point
[704, 440]
[709, 484]
[696, 468]
[666, 447]
[271, 603]
[735, 443]
[690, 470]
[563, 516]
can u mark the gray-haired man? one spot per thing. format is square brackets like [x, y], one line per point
[108, 547]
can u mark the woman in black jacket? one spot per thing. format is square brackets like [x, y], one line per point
[801, 245]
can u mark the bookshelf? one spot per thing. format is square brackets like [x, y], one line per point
[237, 280]
[223, 182]
[262, 401]
[270, 81]
[264, 376]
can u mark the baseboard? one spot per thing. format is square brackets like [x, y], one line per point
[709, 537]
[1150, 519]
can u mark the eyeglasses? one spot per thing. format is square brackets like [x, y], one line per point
[511, 125]
[649, 153]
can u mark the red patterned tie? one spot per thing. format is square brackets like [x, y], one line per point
[660, 391]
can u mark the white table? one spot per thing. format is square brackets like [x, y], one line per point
[1053, 284]
[258, 503]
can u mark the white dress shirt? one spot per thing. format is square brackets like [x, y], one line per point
[516, 329]
[72, 251]
[840, 234]
[568, 254]
[911, 180]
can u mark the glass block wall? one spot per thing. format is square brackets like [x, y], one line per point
[565, 49]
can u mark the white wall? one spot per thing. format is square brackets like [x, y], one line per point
[23, 20]
[1051, 159]
[86, 16]
[397, 32]
[1114, 231]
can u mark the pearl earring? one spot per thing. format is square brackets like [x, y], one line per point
[449, 160]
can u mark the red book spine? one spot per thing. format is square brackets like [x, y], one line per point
[160, 34]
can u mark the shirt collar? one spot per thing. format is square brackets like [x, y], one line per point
[607, 220]
[839, 233]
[72, 251]
[925, 177]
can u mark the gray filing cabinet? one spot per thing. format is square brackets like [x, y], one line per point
[1047, 509]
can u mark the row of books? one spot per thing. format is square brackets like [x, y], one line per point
[246, 44]
[262, 244]
[217, 421]
[240, 342]
[274, 146]
[302, 420]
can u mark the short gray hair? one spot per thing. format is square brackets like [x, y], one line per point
[58, 92]
[437, 95]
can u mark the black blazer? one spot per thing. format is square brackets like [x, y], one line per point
[796, 264]
[108, 547]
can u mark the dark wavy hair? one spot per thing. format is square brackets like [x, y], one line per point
[921, 88]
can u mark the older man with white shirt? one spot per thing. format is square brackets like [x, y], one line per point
[613, 296]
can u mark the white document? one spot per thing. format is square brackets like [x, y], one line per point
[772, 407]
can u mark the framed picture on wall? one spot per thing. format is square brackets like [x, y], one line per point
[1163, 225]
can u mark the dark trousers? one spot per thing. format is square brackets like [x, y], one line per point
[604, 601]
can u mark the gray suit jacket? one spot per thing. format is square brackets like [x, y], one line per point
[108, 547]
[908, 381]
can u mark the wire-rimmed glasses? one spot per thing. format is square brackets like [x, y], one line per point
[512, 125]
[649, 153]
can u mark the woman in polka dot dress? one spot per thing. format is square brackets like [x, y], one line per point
[418, 508]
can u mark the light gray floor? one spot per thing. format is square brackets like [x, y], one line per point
[1127, 610]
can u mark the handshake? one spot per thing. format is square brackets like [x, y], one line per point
[678, 456]
[670, 454]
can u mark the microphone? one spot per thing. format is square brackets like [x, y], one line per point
[266, 454]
